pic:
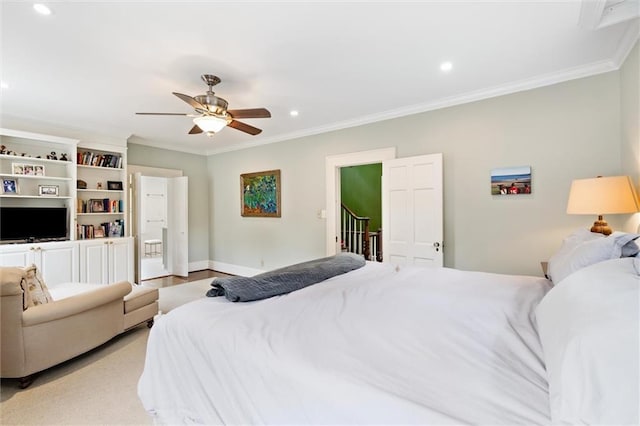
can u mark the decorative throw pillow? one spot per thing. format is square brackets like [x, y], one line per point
[26, 296]
[37, 289]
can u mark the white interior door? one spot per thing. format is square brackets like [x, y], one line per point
[151, 209]
[412, 219]
[177, 247]
[161, 226]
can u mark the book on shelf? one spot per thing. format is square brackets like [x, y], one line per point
[112, 229]
[100, 205]
[88, 158]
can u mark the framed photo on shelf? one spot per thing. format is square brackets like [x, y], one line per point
[114, 185]
[115, 229]
[17, 168]
[9, 186]
[98, 233]
[27, 169]
[48, 190]
[260, 194]
[96, 205]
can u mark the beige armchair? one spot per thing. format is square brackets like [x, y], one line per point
[45, 335]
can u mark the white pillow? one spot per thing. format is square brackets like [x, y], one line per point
[568, 244]
[576, 254]
[588, 327]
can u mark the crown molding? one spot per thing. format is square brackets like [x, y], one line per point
[492, 92]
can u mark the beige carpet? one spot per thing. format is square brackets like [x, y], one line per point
[176, 295]
[97, 388]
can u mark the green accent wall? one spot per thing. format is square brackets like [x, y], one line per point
[361, 191]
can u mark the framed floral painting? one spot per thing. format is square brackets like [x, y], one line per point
[260, 194]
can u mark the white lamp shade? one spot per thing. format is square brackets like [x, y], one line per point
[210, 123]
[603, 195]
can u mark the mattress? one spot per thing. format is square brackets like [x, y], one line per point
[378, 345]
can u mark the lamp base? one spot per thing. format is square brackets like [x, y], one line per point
[601, 226]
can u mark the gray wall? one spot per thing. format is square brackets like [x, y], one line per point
[566, 131]
[195, 168]
[630, 114]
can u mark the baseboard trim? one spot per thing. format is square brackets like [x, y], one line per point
[229, 268]
[198, 266]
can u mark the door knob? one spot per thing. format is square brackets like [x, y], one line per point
[437, 245]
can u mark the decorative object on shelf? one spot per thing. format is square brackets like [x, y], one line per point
[80, 184]
[98, 233]
[99, 185]
[260, 194]
[96, 206]
[9, 186]
[3, 149]
[48, 190]
[114, 185]
[511, 180]
[63, 157]
[603, 195]
[17, 168]
[115, 228]
[27, 169]
[52, 156]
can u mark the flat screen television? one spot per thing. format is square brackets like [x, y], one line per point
[26, 224]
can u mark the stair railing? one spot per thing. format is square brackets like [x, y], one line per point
[356, 236]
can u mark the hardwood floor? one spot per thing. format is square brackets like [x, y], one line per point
[173, 279]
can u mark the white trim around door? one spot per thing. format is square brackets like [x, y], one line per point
[332, 170]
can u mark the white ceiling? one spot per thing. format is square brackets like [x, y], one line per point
[90, 66]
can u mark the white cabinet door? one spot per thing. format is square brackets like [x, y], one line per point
[121, 260]
[94, 261]
[56, 261]
[106, 261]
[16, 255]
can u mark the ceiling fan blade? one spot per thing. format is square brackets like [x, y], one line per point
[195, 130]
[243, 127]
[188, 99]
[250, 113]
[160, 113]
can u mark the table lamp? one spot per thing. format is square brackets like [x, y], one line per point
[603, 195]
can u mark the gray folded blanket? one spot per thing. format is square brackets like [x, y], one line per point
[284, 280]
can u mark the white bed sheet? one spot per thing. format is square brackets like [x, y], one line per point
[373, 346]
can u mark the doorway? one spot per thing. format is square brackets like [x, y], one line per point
[158, 201]
[333, 163]
[412, 205]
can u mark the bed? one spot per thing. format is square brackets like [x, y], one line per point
[410, 345]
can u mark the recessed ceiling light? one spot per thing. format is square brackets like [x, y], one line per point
[446, 66]
[293, 113]
[41, 9]
[4, 85]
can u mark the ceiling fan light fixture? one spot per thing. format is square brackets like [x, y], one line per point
[210, 123]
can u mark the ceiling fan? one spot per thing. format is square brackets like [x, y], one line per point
[212, 114]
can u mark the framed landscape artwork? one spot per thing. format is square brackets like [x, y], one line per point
[511, 180]
[260, 194]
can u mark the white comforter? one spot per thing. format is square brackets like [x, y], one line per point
[373, 346]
